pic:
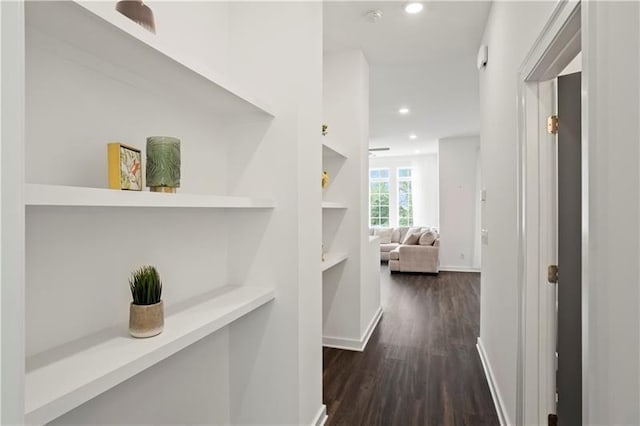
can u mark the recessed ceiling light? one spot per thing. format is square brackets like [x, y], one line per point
[413, 8]
[404, 110]
[413, 136]
[417, 151]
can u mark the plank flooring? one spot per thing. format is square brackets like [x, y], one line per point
[420, 366]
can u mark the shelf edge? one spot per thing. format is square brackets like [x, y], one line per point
[71, 196]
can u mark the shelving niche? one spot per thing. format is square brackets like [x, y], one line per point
[333, 158]
[332, 260]
[331, 149]
[92, 79]
[65, 377]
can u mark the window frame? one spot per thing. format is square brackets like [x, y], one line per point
[399, 181]
[374, 180]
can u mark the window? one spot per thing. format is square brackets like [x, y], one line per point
[405, 198]
[379, 197]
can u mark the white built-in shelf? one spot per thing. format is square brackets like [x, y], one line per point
[94, 35]
[332, 205]
[61, 379]
[330, 149]
[75, 196]
[332, 259]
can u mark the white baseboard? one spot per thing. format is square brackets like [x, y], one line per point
[354, 344]
[459, 269]
[493, 386]
[371, 327]
[321, 418]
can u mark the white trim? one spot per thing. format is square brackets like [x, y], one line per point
[548, 55]
[459, 269]
[542, 62]
[354, 344]
[493, 386]
[321, 418]
[371, 327]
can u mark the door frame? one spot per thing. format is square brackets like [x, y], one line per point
[557, 44]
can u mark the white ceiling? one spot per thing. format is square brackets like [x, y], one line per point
[426, 62]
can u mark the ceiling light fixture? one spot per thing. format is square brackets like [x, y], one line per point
[373, 16]
[413, 136]
[417, 151]
[403, 110]
[413, 8]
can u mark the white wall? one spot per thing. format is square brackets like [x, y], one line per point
[511, 29]
[424, 182]
[11, 213]
[611, 296]
[284, 42]
[477, 244]
[459, 231]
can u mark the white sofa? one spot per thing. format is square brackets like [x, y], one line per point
[421, 253]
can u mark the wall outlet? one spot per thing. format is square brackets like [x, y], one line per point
[483, 196]
[485, 237]
[461, 256]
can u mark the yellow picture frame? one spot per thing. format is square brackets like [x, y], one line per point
[125, 167]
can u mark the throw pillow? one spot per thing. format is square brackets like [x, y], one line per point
[415, 230]
[384, 234]
[395, 235]
[427, 238]
[411, 239]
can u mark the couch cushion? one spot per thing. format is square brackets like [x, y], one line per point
[394, 254]
[412, 238]
[384, 234]
[388, 247]
[395, 235]
[428, 238]
[403, 233]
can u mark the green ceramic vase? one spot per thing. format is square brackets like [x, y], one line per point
[163, 163]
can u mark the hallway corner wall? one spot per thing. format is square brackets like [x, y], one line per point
[511, 29]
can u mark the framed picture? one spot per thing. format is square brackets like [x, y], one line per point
[125, 167]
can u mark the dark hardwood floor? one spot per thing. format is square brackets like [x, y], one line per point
[420, 366]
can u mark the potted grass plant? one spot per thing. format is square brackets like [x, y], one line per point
[146, 313]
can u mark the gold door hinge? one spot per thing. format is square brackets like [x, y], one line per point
[552, 274]
[552, 124]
